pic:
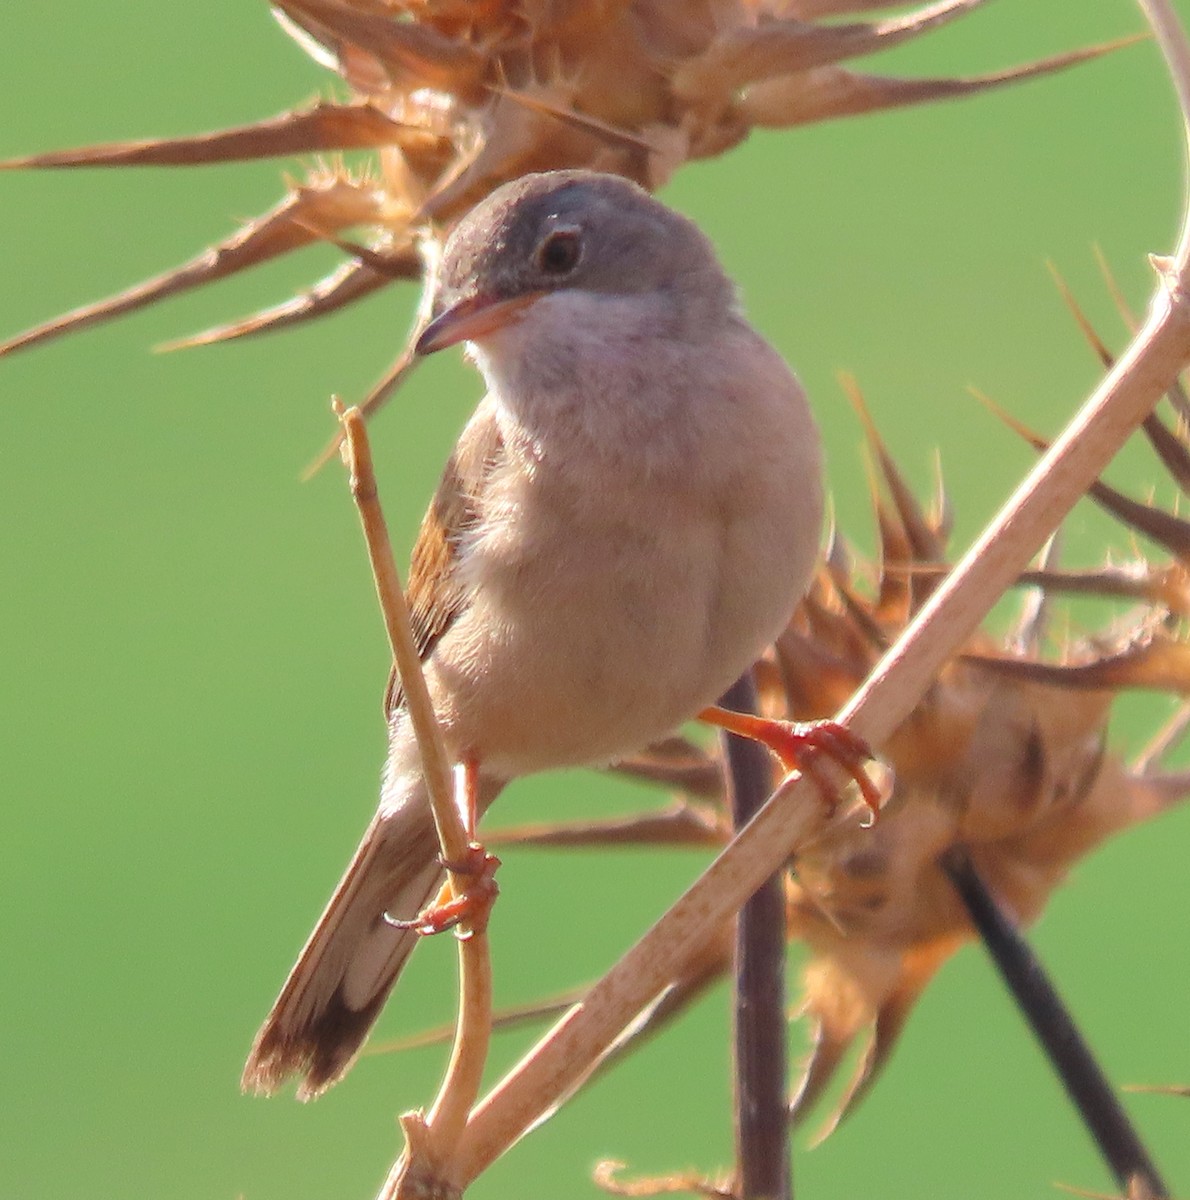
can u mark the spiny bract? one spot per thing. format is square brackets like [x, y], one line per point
[459, 96]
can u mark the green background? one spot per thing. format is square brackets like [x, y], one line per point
[192, 662]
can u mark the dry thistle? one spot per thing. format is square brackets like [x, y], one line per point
[358, 276]
[457, 98]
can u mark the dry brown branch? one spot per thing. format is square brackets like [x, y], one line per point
[1143, 373]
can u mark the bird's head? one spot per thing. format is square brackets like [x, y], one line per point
[571, 232]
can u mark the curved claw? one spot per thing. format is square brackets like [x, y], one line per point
[470, 908]
[798, 744]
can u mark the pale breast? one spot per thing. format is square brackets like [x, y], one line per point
[649, 529]
[604, 613]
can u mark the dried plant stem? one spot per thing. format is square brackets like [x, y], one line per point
[1157, 354]
[764, 1170]
[1053, 1026]
[430, 1140]
[435, 763]
[384, 390]
[427, 1166]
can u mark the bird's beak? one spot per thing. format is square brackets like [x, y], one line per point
[471, 318]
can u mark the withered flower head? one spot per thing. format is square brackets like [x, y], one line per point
[456, 98]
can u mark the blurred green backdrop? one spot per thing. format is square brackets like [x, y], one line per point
[189, 723]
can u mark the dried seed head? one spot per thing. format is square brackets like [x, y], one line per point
[1007, 757]
[457, 98]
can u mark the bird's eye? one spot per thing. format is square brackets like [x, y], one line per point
[559, 252]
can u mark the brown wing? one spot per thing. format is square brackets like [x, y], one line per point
[434, 594]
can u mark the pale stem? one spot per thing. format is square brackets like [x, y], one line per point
[1129, 392]
[430, 1152]
[435, 763]
[429, 1162]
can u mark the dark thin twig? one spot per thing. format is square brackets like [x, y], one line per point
[761, 1083]
[1054, 1028]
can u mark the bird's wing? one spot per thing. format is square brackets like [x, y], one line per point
[435, 595]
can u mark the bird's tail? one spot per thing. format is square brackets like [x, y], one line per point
[352, 959]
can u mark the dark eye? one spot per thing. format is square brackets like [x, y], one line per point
[559, 252]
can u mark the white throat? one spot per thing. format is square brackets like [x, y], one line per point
[600, 375]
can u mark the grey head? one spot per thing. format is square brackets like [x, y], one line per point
[569, 230]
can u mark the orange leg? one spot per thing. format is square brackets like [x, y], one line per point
[469, 799]
[473, 906]
[798, 744]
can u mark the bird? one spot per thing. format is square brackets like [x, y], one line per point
[628, 519]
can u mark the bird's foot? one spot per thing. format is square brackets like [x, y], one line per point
[469, 908]
[801, 745]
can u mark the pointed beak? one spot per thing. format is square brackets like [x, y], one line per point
[470, 319]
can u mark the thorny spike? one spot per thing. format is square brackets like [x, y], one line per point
[1167, 530]
[837, 633]
[1105, 356]
[941, 516]
[1114, 290]
[1165, 788]
[827, 93]
[875, 638]
[1180, 403]
[855, 631]
[323, 127]
[382, 391]
[886, 1030]
[748, 54]
[923, 543]
[399, 262]
[406, 50]
[836, 557]
[1165, 739]
[1155, 660]
[581, 121]
[1165, 586]
[826, 1053]
[606, 1177]
[680, 824]
[894, 604]
[1170, 448]
[876, 1055]
[502, 1019]
[677, 763]
[813, 677]
[1035, 607]
[348, 283]
[334, 203]
[1164, 528]
[1159, 1089]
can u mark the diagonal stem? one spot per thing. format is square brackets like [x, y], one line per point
[1053, 1026]
[763, 1164]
